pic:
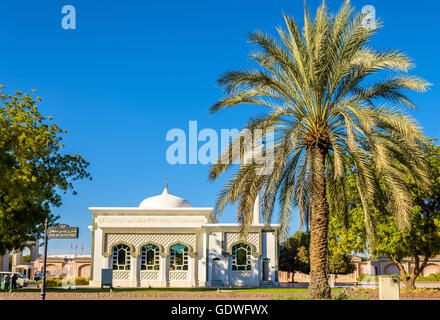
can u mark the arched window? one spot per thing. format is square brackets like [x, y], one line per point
[121, 257]
[241, 257]
[150, 257]
[179, 257]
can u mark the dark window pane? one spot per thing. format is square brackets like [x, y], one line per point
[241, 256]
[121, 257]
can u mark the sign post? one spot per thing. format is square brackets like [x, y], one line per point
[62, 231]
[43, 282]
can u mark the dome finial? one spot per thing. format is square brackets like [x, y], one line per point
[165, 191]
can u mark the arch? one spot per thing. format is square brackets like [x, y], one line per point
[25, 253]
[84, 271]
[179, 258]
[191, 251]
[253, 249]
[241, 257]
[139, 247]
[430, 269]
[52, 270]
[120, 258]
[150, 257]
[108, 253]
[32, 245]
[390, 269]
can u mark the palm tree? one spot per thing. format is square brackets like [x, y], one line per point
[328, 116]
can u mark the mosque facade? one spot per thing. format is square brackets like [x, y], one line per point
[165, 242]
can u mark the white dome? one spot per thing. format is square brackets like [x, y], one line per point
[165, 200]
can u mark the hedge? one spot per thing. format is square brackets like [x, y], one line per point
[57, 282]
[431, 277]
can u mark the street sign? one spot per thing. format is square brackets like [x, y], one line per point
[62, 231]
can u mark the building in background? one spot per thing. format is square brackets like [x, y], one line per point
[17, 264]
[380, 266]
[64, 266]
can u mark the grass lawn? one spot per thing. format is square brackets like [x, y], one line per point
[269, 293]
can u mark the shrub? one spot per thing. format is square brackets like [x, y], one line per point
[57, 282]
[367, 277]
[52, 282]
[81, 281]
[431, 277]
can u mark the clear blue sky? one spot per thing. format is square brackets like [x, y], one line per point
[132, 70]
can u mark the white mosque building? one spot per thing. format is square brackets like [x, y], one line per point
[165, 242]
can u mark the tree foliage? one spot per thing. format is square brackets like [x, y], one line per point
[421, 241]
[295, 256]
[33, 170]
[294, 253]
[340, 264]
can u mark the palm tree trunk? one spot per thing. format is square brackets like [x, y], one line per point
[319, 219]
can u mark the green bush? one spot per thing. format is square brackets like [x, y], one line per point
[57, 282]
[81, 281]
[367, 277]
[431, 277]
[52, 282]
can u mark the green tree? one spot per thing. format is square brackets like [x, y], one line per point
[421, 241]
[295, 256]
[323, 111]
[340, 264]
[33, 171]
[294, 253]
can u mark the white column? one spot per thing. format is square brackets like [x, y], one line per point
[163, 267]
[228, 272]
[193, 275]
[254, 268]
[260, 266]
[202, 261]
[256, 212]
[100, 262]
[134, 271]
